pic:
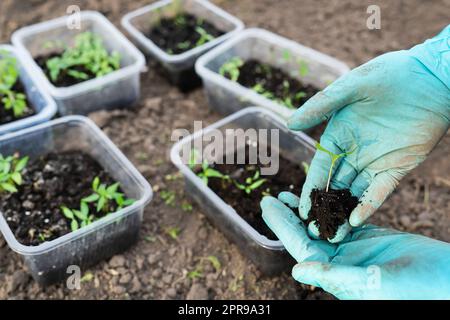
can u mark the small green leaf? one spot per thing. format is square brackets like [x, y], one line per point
[113, 188]
[257, 184]
[8, 187]
[21, 164]
[67, 213]
[92, 198]
[95, 183]
[215, 262]
[17, 178]
[74, 225]
[101, 203]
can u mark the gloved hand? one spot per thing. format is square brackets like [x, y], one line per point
[375, 263]
[393, 110]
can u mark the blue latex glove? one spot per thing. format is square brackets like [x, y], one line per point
[393, 109]
[375, 263]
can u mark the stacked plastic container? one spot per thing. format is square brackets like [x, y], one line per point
[48, 262]
[179, 67]
[226, 96]
[41, 102]
[269, 255]
[120, 88]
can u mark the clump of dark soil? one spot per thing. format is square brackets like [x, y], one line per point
[49, 182]
[178, 34]
[330, 210]
[290, 177]
[7, 116]
[276, 82]
[64, 79]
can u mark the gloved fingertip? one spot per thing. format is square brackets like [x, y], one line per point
[358, 216]
[289, 199]
[313, 230]
[341, 233]
[306, 272]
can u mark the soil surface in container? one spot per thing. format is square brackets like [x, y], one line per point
[178, 34]
[7, 116]
[290, 177]
[330, 210]
[64, 79]
[275, 84]
[49, 182]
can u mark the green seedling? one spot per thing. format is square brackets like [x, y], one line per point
[11, 172]
[87, 277]
[231, 68]
[204, 36]
[78, 218]
[193, 156]
[305, 167]
[334, 158]
[103, 196]
[258, 88]
[251, 183]
[186, 206]
[168, 197]
[303, 68]
[300, 95]
[9, 75]
[215, 262]
[180, 20]
[173, 232]
[88, 53]
[286, 55]
[184, 45]
[196, 273]
[208, 173]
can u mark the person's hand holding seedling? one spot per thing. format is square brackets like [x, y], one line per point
[393, 109]
[372, 263]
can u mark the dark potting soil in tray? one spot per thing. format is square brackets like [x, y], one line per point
[7, 116]
[290, 177]
[50, 182]
[330, 210]
[272, 79]
[170, 35]
[64, 80]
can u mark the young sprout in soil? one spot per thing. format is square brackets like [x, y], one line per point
[258, 88]
[303, 68]
[86, 58]
[9, 75]
[334, 158]
[104, 194]
[204, 36]
[184, 45]
[208, 172]
[215, 262]
[286, 55]
[11, 172]
[231, 68]
[251, 183]
[168, 197]
[186, 206]
[78, 218]
[197, 273]
[173, 232]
